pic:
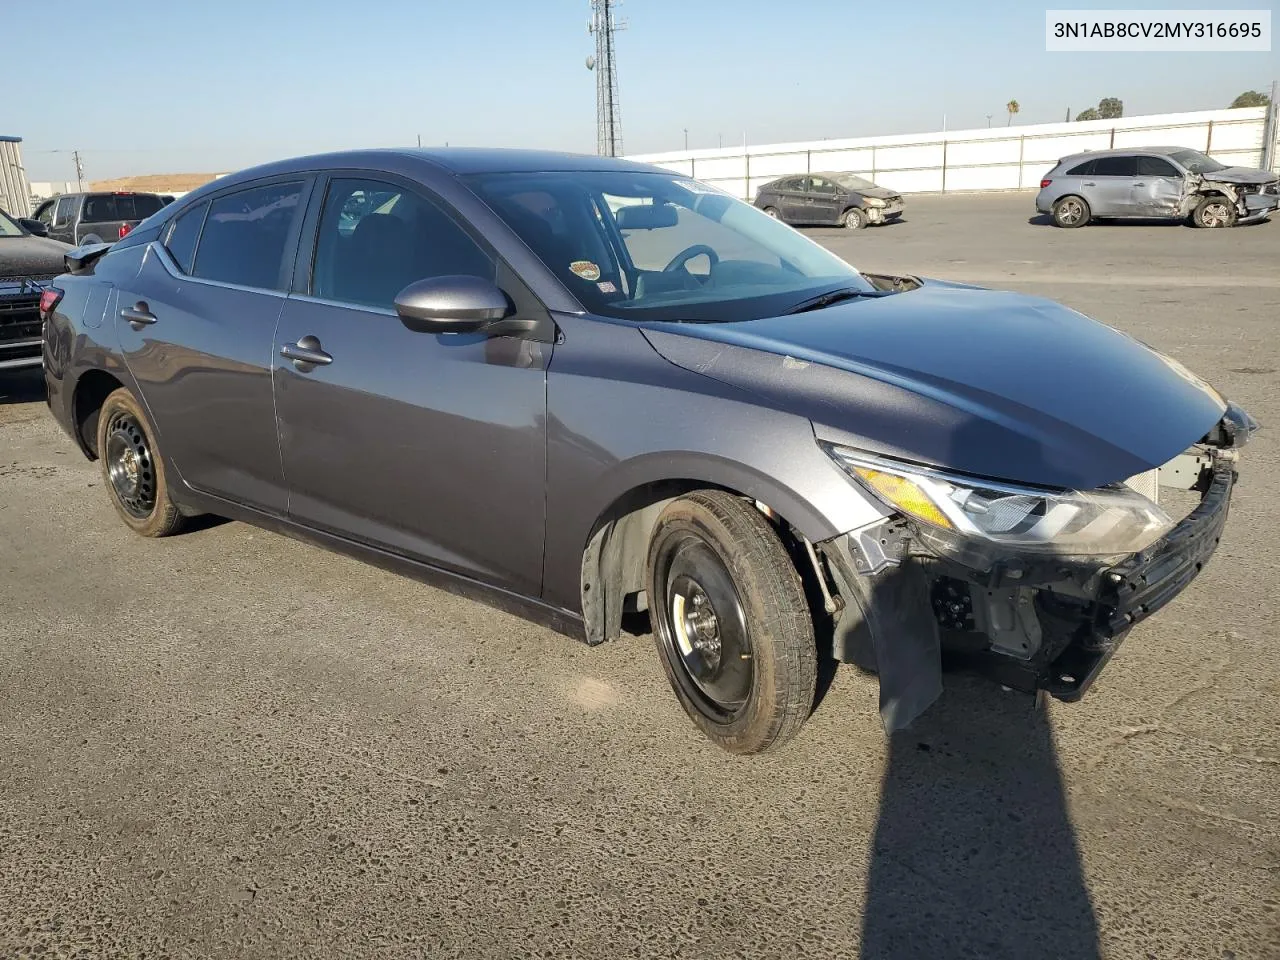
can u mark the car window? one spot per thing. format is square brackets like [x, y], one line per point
[376, 238]
[45, 213]
[102, 208]
[658, 246]
[1156, 167]
[794, 185]
[1081, 169]
[65, 212]
[183, 233]
[821, 185]
[245, 235]
[144, 205]
[1115, 167]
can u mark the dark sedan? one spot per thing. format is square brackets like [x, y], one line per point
[842, 199]
[28, 261]
[579, 387]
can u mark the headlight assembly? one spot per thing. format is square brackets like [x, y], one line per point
[873, 202]
[1104, 522]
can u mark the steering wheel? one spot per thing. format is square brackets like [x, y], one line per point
[687, 254]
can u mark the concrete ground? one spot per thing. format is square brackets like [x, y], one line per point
[230, 744]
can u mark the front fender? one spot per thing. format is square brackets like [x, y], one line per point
[622, 419]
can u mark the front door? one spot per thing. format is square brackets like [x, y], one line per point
[824, 200]
[197, 327]
[432, 446]
[1158, 188]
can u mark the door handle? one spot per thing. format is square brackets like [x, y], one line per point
[139, 315]
[1140, 183]
[1089, 183]
[306, 354]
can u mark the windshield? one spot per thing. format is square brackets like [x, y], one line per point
[654, 246]
[851, 182]
[8, 228]
[1197, 162]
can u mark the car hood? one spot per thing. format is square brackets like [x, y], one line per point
[880, 193]
[30, 256]
[984, 382]
[1241, 175]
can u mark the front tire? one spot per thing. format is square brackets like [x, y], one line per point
[132, 468]
[731, 622]
[853, 219]
[1070, 212]
[1214, 212]
[772, 212]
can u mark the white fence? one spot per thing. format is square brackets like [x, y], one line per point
[998, 158]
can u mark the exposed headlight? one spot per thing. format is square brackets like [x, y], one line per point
[873, 202]
[1103, 522]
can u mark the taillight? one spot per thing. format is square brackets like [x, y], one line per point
[50, 297]
[1045, 183]
[124, 229]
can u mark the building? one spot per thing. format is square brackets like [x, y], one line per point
[15, 191]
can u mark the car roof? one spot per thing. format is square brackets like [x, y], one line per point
[459, 161]
[1124, 151]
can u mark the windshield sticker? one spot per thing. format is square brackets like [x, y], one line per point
[585, 269]
[606, 286]
[693, 186]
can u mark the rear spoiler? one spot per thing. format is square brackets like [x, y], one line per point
[84, 256]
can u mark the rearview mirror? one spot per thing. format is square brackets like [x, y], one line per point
[451, 305]
[33, 227]
[646, 216]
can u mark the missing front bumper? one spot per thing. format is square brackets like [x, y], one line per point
[907, 609]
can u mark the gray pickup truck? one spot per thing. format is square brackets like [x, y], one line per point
[78, 218]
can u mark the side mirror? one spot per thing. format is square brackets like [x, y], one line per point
[452, 305]
[33, 227]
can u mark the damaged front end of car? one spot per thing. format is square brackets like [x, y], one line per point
[1034, 588]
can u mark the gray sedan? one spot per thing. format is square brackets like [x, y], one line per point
[1156, 182]
[578, 387]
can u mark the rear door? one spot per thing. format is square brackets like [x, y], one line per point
[1158, 188]
[795, 200]
[208, 297]
[431, 446]
[1109, 189]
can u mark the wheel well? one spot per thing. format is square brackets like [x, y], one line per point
[92, 389]
[614, 560]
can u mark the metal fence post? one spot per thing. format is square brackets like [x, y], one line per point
[1022, 152]
[944, 166]
[808, 161]
[873, 162]
[746, 157]
[1113, 138]
[1208, 140]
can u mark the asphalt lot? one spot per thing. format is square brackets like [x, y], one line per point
[231, 744]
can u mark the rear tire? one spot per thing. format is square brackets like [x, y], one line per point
[731, 622]
[1214, 212]
[132, 468]
[853, 219]
[772, 212]
[1071, 211]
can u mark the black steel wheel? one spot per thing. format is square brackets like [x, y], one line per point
[130, 468]
[731, 621]
[133, 468]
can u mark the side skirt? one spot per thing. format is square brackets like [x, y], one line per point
[553, 618]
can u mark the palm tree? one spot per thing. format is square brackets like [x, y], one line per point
[1012, 107]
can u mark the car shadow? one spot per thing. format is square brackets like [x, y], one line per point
[22, 386]
[974, 854]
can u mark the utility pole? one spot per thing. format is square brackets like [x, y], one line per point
[988, 121]
[603, 25]
[75, 154]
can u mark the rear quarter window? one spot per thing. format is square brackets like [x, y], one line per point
[183, 234]
[1081, 169]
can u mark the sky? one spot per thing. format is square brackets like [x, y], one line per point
[157, 86]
